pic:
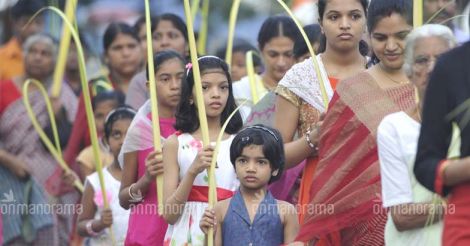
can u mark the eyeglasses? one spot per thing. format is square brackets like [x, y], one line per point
[425, 61]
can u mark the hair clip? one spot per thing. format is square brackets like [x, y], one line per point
[130, 110]
[189, 65]
[245, 139]
[264, 129]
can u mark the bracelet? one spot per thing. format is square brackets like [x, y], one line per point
[133, 198]
[89, 229]
[309, 142]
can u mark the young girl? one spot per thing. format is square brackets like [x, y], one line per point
[103, 103]
[185, 161]
[94, 219]
[257, 153]
[168, 33]
[140, 164]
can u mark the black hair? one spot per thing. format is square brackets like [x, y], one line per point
[313, 32]
[26, 8]
[241, 46]
[379, 9]
[106, 95]
[114, 29]
[363, 47]
[161, 57]
[322, 6]
[123, 112]
[186, 113]
[277, 26]
[269, 138]
[177, 22]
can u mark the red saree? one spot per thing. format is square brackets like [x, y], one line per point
[345, 206]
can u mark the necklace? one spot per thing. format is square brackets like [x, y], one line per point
[390, 78]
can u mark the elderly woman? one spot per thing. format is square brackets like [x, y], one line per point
[25, 165]
[413, 217]
[446, 107]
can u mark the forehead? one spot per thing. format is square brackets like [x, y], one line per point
[41, 45]
[166, 26]
[279, 44]
[123, 38]
[172, 63]
[343, 6]
[253, 150]
[213, 75]
[392, 24]
[121, 124]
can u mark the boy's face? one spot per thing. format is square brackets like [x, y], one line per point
[238, 66]
[253, 168]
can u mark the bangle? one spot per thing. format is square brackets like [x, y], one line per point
[442, 169]
[439, 179]
[134, 199]
[89, 229]
[309, 142]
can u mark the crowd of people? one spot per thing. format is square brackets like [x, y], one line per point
[371, 147]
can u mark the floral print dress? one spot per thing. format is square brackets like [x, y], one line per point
[186, 230]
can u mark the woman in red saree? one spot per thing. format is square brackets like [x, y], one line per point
[298, 93]
[25, 161]
[345, 206]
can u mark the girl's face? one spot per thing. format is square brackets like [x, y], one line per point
[388, 40]
[343, 24]
[124, 55]
[39, 61]
[215, 89]
[426, 51]
[166, 36]
[253, 168]
[100, 112]
[117, 135]
[169, 78]
[278, 56]
[238, 66]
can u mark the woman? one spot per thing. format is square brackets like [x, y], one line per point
[169, 32]
[346, 183]
[276, 42]
[445, 105]
[123, 57]
[410, 204]
[299, 99]
[26, 167]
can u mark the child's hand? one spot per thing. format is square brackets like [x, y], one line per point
[19, 169]
[69, 178]
[202, 161]
[208, 221]
[153, 165]
[106, 219]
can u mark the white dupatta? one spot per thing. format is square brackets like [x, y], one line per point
[139, 136]
[303, 81]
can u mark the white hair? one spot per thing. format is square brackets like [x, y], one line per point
[43, 38]
[425, 31]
